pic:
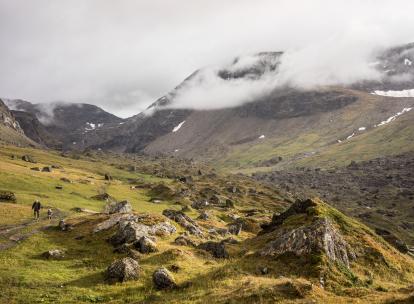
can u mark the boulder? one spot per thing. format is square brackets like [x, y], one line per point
[108, 177]
[35, 168]
[54, 254]
[104, 197]
[131, 231]
[200, 204]
[29, 159]
[318, 237]
[235, 228]
[121, 207]
[184, 240]
[7, 196]
[217, 249]
[122, 270]
[66, 180]
[163, 279]
[183, 220]
[145, 245]
[47, 169]
[59, 187]
[64, 226]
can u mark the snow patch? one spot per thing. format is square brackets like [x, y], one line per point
[402, 93]
[90, 126]
[339, 141]
[178, 127]
[392, 118]
[350, 136]
[408, 62]
[261, 136]
[362, 129]
[176, 150]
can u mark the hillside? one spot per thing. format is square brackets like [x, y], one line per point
[228, 249]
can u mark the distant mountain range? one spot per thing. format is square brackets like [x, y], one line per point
[281, 128]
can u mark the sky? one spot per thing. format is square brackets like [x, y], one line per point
[123, 55]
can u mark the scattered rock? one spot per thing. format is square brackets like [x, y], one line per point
[66, 180]
[35, 168]
[122, 270]
[104, 197]
[131, 231]
[56, 166]
[200, 204]
[29, 159]
[184, 240]
[163, 279]
[64, 226]
[217, 249]
[47, 169]
[146, 245]
[235, 228]
[54, 254]
[108, 177]
[7, 196]
[183, 220]
[121, 207]
[59, 187]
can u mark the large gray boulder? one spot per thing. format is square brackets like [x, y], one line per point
[122, 270]
[163, 279]
[318, 237]
[146, 245]
[131, 231]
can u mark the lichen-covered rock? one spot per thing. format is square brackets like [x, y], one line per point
[183, 220]
[54, 254]
[217, 249]
[122, 270]
[163, 279]
[7, 196]
[130, 231]
[121, 207]
[183, 240]
[318, 237]
[146, 245]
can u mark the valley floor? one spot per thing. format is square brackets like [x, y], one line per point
[27, 277]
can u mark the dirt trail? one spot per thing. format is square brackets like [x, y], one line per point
[14, 234]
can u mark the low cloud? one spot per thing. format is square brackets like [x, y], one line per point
[123, 56]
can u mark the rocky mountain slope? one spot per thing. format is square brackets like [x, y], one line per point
[62, 124]
[10, 129]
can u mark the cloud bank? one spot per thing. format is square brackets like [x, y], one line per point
[123, 55]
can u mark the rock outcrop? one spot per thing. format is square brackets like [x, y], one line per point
[121, 207]
[184, 221]
[163, 279]
[316, 235]
[122, 270]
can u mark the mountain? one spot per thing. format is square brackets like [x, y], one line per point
[10, 129]
[64, 125]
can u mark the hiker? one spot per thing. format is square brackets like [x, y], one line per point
[49, 213]
[36, 209]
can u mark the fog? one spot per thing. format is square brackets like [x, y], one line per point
[123, 55]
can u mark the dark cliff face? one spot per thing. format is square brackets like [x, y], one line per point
[35, 130]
